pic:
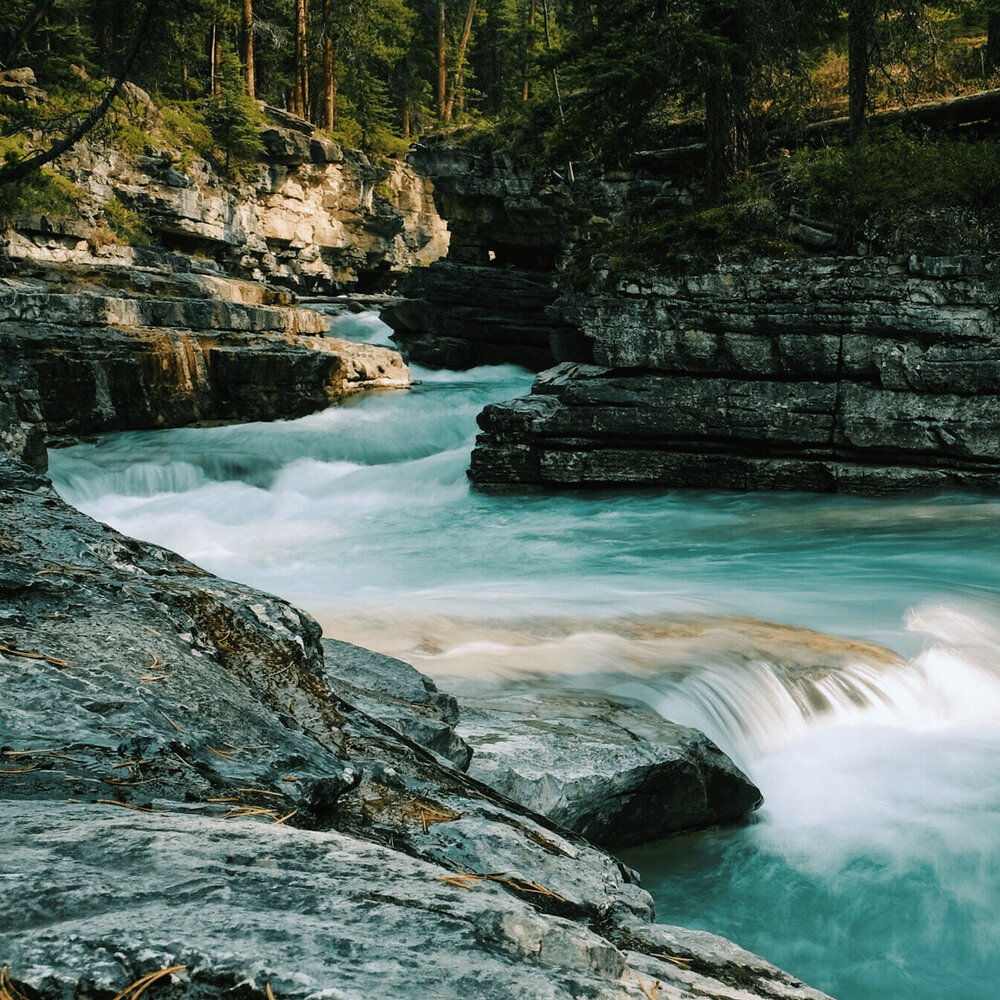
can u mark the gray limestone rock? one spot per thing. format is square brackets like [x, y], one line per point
[185, 787]
[615, 772]
[826, 375]
[155, 351]
[398, 694]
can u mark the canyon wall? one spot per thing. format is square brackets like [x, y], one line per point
[857, 375]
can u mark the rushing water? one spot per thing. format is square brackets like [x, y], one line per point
[873, 870]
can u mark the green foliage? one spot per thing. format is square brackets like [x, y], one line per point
[894, 176]
[233, 118]
[747, 224]
[125, 223]
[41, 191]
[183, 130]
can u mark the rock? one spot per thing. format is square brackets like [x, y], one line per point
[140, 101]
[20, 74]
[459, 315]
[323, 151]
[19, 85]
[20, 440]
[179, 767]
[614, 772]
[286, 146]
[399, 695]
[848, 375]
[309, 220]
[159, 351]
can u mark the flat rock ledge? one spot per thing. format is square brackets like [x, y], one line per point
[614, 772]
[831, 375]
[184, 787]
[86, 350]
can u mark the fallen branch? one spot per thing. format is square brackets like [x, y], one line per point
[136, 989]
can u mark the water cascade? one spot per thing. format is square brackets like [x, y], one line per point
[873, 869]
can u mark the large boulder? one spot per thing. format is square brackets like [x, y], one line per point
[615, 772]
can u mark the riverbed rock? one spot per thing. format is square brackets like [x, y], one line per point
[615, 772]
[828, 375]
[85, 350]
[183, 788]
[398, 694]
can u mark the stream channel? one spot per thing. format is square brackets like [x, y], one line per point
[873, 868]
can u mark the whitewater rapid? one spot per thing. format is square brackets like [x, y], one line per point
[845, 651]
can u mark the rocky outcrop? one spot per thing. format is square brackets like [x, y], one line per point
[510, 228]
[615, 772]
[176, 765]
[852, 375]
[314, 217]
[398, 695]
[461, 315]
[94, 349]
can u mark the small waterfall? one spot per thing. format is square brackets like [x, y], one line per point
[873, 869]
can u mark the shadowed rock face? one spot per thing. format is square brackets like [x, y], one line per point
[853, 376]
[462, 315]
[183, 783]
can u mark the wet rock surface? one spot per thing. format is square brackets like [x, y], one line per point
[182, 783]
[84, 350]
[858, 376]
[615, 772]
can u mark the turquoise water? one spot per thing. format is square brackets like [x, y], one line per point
[844, 650]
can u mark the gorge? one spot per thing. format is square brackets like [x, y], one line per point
[871, 869]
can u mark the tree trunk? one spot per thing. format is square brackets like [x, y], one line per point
[528, 39]
[330, 81]
[860, 27]
[992, 43]
[211, 61]
[459, 80]
[727, 106]
[301, 59]
[442, 82]
[246, 38]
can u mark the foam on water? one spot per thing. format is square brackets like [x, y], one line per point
[874, 867]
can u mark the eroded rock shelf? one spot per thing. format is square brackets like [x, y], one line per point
[852, 375]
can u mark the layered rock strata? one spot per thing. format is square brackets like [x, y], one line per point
[88, 350]
[187, 794]
[487, 302]
[861, 376]
[313, 217]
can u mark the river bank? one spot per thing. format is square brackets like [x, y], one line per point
[829, 644]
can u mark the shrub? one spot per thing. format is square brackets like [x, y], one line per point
[893, 178]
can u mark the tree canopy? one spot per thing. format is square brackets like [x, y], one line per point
[569, 80]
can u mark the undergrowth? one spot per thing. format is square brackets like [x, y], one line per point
[892, 178]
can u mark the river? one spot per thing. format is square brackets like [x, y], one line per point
[845, 651]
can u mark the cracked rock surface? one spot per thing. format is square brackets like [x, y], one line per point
[182, 783]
